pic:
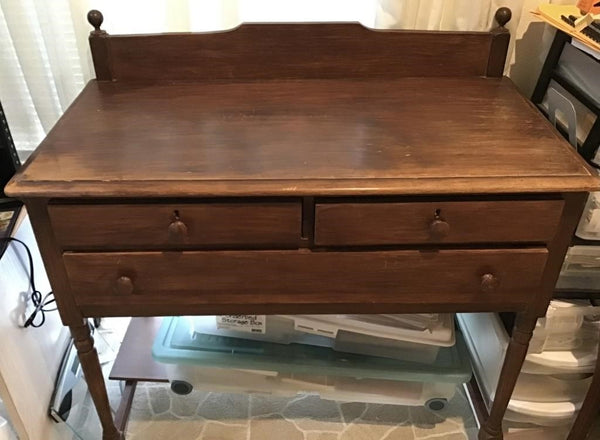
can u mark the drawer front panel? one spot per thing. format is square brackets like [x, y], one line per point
[457, 277]
[339, 224]
[175, 225]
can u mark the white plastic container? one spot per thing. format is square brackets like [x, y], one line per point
[581, 269]
[529, 431]
[580, 360]
[542, 400]
[568, 325]
[414, 337]
[589, 224]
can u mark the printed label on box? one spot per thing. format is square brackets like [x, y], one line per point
[242, 323]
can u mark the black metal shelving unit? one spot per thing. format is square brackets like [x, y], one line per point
[575, 79]
[9, 163]
[578, 73]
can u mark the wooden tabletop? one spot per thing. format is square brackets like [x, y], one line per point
[302, 137]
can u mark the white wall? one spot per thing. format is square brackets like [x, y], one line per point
[29, 358]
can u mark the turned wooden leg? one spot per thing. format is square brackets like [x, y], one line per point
[515, 355]
[90, 364]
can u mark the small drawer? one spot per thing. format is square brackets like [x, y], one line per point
[347, 224]
[176, 225]
[316, 282]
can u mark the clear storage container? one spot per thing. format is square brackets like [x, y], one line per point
[221, 363]
[412, 337]
[186, 377]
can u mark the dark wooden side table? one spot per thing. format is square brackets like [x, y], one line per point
[302, 168]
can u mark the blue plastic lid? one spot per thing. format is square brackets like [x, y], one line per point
[177, 343]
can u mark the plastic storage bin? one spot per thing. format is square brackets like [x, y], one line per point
[568, 325]
[222, 363]
[549, 400]
[411, 337]
[581, 269]
[529, 431]
[434, 395]
[589, 224]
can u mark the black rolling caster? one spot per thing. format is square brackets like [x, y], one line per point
[181, 387]
[436, 404]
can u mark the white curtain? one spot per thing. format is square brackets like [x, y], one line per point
[41, 68]
[45, 61]
[467, 15]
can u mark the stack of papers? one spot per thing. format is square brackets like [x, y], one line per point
[552, 14]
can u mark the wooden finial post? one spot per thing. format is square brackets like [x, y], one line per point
[499, 45]
[95, 18]
[503, 16]
[99, 44]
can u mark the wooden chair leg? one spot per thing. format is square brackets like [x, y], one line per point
[90, 364]
[589, 410]
[515, 355]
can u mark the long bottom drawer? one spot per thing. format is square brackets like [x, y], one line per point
[271, 281]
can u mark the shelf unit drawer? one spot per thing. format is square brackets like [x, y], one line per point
[383, 223]
[177, 225]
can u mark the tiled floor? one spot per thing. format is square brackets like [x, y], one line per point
[157, 413]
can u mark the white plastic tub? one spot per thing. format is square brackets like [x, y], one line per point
[529, 431]
[413, 337]
[589, 224]
[568, 325]
[542, 414]
[542, 400]
[580, 360]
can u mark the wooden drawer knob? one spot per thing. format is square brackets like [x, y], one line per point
[177, 231]
[489, 282]
[124, 286]
[439, 228]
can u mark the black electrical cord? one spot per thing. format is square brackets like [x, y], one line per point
[41, 302]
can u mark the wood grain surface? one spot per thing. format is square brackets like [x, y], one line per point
[281, 278]
[147, 225]
[299, 50]
[319, 137]
[372, 223]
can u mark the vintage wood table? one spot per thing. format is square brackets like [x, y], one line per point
[302, 168]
